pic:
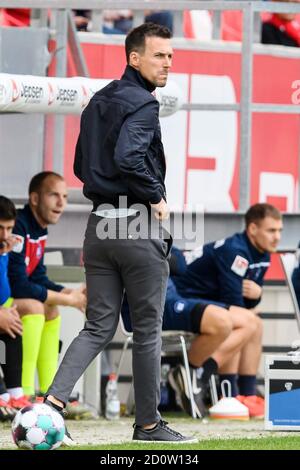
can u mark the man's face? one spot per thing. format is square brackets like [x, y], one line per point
[6, 228]
[155, 61]
[50, 203]
[266, 234]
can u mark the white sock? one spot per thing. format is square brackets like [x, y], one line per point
[5, 396]
[16, 392]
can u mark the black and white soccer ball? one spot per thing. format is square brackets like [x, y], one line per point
[38, 427]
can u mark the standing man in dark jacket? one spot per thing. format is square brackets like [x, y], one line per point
[120, 159]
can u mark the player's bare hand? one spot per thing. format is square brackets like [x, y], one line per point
[251, 290]
[78, 298]
[10, 322]
[161, 210]
[7, 245]
[83, 289]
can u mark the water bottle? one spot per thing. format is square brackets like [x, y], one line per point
[112, 404]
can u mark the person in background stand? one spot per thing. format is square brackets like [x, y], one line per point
[282, 28]
[121, 21]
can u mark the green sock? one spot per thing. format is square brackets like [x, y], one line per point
[48, 355]
[32, 331]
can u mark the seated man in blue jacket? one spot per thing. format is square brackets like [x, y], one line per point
[231, 271]
[221, 331]
[35, 295]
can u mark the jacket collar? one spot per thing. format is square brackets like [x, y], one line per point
[34, 223]
[133, 75]
[254, 251]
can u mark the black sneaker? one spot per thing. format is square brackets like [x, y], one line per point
[67, 440]
[201, 391]
[160, 433]
[178, 380]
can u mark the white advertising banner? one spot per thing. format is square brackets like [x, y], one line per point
[31, 94]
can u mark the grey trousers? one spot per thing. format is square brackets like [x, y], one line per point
[140, 267]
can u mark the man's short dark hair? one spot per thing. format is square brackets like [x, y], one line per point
[38, 180]
[260, 211]
[135, 40]
[7, 209]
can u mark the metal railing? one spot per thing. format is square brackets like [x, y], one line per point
[246, 107]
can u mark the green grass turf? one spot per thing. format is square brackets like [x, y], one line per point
[268, 443]
[264, 443]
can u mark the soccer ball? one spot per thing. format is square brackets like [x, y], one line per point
[38, 427]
